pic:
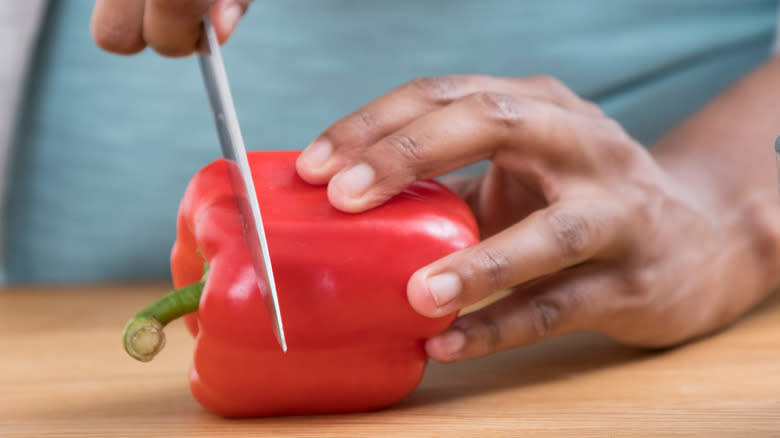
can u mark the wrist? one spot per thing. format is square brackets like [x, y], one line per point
[747, 209]
[748, 215]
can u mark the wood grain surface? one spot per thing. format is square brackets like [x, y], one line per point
[63, 373]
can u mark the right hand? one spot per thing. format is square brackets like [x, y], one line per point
[170, 27]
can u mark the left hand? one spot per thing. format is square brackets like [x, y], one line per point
[583, 224]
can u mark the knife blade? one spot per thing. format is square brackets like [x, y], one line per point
[234, 152]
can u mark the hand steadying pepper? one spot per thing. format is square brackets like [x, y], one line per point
[354, 341]
[588, 229]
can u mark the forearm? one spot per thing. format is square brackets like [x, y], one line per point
[724, 154]
[727, 148]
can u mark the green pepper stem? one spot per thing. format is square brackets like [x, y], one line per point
[143, 335]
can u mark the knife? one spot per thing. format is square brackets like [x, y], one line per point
[234, 152]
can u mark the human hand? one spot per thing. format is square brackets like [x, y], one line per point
[579, 221]
[170, 27]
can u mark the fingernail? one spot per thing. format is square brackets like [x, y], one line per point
[230, 17]
[356, 181]
[444, 288]
[317, 154]
[453, 342]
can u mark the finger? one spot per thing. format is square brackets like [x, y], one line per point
[546, 242]
[576, 300]
[522, 135]
[381, 117]
[116, 25]
[173, 27]
[225, 15]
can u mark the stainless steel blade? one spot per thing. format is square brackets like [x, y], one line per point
[234, 152]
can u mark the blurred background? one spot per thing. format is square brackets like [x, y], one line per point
[96, 149]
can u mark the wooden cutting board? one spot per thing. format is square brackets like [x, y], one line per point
[64, 373]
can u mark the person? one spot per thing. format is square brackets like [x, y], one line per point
[589, 230]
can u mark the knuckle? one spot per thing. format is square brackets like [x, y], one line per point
[483, 331]
[552, 85]
[408, 146]
[116, 37]
[364, 120]
[612, 128]
[636, 289]
[617, 149]
[610, 132]
[572, 233]
[565, 96]
[500, 107]
[352, 130]
[496, 268]
[556, 90]
[591, 108]
[546, 315]
[551, 312]
[437, 89]
[490, 334]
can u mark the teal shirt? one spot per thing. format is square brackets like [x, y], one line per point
[106, 144]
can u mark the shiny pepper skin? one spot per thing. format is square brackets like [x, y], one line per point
[355, 343]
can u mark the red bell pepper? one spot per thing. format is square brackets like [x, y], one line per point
[355, 343]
